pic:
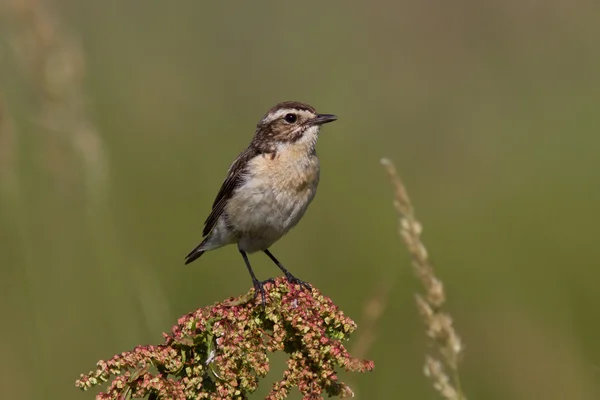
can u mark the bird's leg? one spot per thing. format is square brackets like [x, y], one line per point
[291, 278]
[258, 285]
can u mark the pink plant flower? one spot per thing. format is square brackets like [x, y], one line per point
[221, 351]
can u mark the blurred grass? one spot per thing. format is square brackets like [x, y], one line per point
[488, 109]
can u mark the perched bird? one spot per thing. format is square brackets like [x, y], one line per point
[268, 187]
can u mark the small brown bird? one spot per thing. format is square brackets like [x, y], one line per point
[268, 187]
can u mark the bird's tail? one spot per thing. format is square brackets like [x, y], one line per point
[196, 253]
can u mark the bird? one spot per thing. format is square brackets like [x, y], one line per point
[268, 188]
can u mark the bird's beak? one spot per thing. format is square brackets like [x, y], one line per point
[321, 119]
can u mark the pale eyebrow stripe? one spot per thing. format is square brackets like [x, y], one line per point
[283, 111]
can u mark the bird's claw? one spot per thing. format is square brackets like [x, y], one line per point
[295, 281]
[259, 288]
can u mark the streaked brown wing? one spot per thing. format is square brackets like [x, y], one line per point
[232, 182]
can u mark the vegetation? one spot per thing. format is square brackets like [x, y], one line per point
[221, 351]
[117, 120]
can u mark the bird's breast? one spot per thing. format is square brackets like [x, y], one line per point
[286, 172]
[275, 194]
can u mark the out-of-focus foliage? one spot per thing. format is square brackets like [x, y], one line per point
[489, 110]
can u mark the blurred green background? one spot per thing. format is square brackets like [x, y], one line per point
[119, 120]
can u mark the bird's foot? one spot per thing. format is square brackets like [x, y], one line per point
[295, 281]
[259, 288]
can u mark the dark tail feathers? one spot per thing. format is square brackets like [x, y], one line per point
[194, 254]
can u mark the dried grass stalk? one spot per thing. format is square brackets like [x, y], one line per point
[53, 63]
[438, 323]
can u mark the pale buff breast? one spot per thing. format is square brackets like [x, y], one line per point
[273, 198]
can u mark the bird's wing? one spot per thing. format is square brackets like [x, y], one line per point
[232, 181]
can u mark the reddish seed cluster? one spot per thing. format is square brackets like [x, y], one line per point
[221, 352]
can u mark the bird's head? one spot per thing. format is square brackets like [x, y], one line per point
[290, 125]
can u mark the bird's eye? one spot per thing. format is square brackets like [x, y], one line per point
[290, 118]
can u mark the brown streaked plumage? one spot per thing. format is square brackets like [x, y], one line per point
[231, 182]
[268, 187]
